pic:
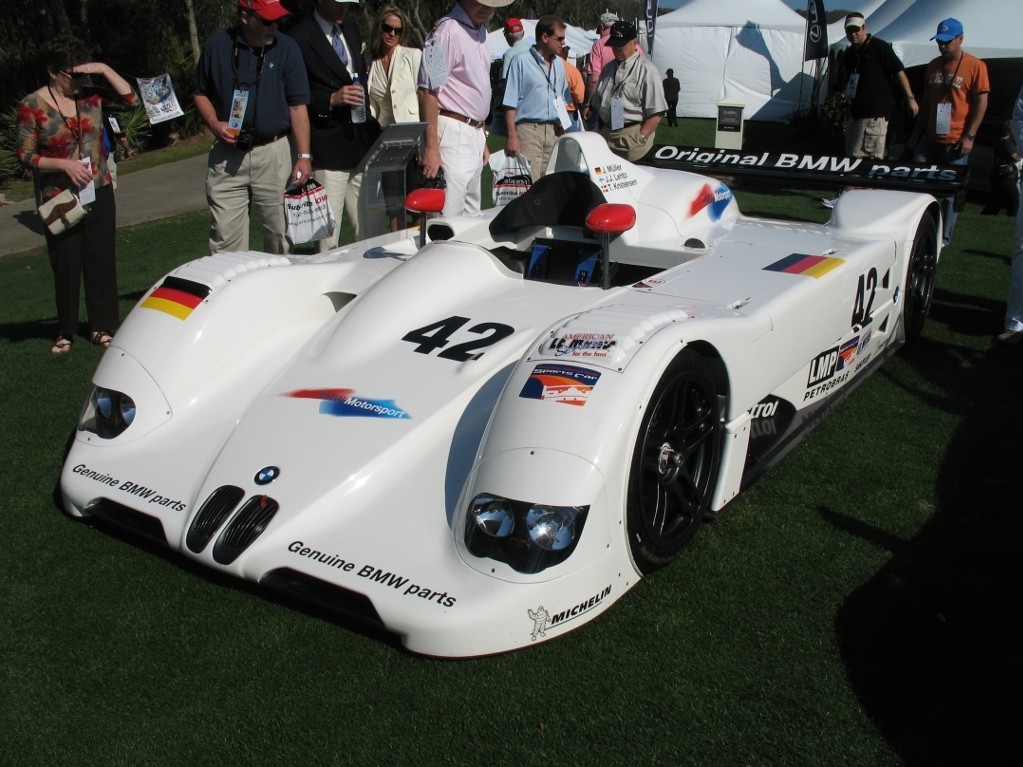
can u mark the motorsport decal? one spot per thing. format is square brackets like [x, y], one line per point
[831, 368]
[597, 345]
[613, 176]
[560, 383]
[810, 266]
[345, 402]
[373, 574]
[543, 620]
[149, 495]
[714, 200]
[177, 297]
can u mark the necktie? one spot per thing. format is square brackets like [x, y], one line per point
[339, 45]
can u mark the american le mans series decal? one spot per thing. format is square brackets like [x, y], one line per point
[567, 384]
[345, 402]
[177, 297]
[808, 266]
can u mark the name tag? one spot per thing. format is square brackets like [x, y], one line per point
[943, 120]
[617, 113]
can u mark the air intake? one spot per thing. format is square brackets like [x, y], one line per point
[211, 515]
[251, 520]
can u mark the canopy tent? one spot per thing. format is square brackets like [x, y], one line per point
[736, 49]
[579, 40]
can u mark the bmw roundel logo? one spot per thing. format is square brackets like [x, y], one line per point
[266, 475]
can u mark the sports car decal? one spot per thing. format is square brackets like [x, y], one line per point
[177, 297]
[581, 345]
[345, 402]
[560, 383]
[810, 266]
[543, 620]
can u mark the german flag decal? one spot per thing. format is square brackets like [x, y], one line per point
[177, 297]
[811, 266]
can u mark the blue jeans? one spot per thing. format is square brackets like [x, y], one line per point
[942, 154]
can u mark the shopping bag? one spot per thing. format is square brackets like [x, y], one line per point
[511, 177]
[308, 214]
[62, 212]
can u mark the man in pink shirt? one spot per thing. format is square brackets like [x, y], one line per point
[454, 96]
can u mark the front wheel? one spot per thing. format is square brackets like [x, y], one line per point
[674, 464]
[923, 262]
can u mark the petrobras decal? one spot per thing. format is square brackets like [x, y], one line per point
[713, 200]
[543, 620]
[580, 345]
[567, 384]
[346, 403]
[825, 374]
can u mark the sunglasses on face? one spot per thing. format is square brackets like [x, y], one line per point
[261, 20]
[559, 39]
[387, 29]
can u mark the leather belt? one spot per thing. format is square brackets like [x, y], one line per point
[461, 118]
[265, 141]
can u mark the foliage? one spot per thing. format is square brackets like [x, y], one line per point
[10, 167]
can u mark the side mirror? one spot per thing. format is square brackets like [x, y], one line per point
[609, 219]
[426, 202]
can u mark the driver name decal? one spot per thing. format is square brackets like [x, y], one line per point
[613, 176]
[567, 384]
[345, 403]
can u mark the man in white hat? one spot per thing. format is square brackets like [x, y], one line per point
[455, 96]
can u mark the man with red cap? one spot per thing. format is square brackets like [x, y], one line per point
[515, 36]
[251, 90]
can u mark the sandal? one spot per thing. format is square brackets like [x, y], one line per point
[62, 345]
[101, 338]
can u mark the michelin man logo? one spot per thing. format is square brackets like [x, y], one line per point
[539, 616]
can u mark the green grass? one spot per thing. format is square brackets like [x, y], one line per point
[853, 608]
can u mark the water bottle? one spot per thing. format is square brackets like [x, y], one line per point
[359, 112]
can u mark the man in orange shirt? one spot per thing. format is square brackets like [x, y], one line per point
[955, 99]
[576, 87]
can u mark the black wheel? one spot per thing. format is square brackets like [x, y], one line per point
[923, 261]
[674, 464]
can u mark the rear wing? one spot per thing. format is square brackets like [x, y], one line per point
[825, 170]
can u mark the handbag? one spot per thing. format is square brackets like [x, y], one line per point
[308, 213]
[62, 212]
[512, 178]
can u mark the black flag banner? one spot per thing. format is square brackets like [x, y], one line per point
[650, 12]
[816, 45]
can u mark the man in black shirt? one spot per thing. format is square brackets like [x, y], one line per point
[870, 70]
[671, 90]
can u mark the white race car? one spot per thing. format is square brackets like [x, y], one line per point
[482, 442]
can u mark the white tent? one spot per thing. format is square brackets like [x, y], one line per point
[736, 49]
[989, 32]
[579, 40]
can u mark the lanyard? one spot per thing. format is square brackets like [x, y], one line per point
[79, 137]
[949, 80]
[260, 59]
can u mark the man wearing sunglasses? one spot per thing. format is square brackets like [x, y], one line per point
[332, 50]
[956, 89]
[536, 97]
[251, 90]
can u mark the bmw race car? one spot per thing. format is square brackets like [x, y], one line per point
[480, 433]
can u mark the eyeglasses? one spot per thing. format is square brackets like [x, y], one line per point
[387, 29]
[260, 19]
[559, 39]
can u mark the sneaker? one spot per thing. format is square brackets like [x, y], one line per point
[1010, 337]
[828, 202]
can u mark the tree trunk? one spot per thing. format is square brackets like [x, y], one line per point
[193, 32]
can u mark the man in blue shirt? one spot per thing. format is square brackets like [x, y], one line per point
[536, 96]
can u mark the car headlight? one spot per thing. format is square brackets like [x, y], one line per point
[528, 537]
[107, 413]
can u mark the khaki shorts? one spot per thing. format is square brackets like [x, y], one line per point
[629, 143]
[866, 137]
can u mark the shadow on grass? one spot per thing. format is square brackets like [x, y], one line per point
[929, 642]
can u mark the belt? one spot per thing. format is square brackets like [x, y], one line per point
[265, 141]
[461, 118]
[537, 122]
[627, 125]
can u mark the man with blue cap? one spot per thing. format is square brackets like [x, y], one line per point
[955, 99]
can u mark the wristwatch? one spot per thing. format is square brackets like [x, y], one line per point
[304, 156]
[970, 136]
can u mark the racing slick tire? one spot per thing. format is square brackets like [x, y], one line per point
[675, 463]
[923, 260]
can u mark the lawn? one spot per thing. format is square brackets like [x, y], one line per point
[853, 608]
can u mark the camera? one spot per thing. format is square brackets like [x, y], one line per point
[246, 139]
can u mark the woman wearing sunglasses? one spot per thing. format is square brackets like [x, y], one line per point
[392, 93]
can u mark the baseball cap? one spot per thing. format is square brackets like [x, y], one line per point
[271, 10]
[948, 30]
[607, 19]
[495, 3]
[513, 25]
[855, 20]
[622, 33]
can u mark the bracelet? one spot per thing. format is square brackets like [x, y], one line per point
[910, 98]
[304, 156]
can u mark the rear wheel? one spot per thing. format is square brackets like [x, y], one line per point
[923, 261]
[674, 464]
